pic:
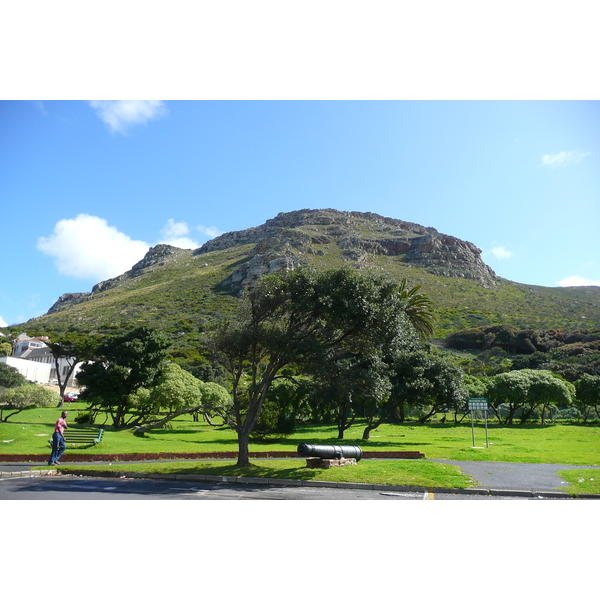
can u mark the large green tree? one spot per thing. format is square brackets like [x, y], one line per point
[303, 317]
[588, 395]
[177, 392]
[351, 385]
[70, 349]
[545, 389]
[175, 389]
[426, 380]
[122, 365]
[26, 396]
[353, 379]
[10, 377]
[526, 390]
[509, 389]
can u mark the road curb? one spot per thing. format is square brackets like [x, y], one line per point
[39, 473]
[302, 483]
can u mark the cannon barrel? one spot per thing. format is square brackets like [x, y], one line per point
[330, 451]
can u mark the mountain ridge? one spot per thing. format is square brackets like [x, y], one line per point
[181, 289]
[357, 234]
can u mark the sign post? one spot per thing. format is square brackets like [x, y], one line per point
[479, 404]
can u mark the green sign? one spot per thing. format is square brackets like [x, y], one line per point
[478, 404]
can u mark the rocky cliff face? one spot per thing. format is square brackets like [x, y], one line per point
[282, 242]
[450, 257]
[67, 301]
[156, 256]
[285, 242]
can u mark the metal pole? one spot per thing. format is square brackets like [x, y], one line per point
[472, 429]
[486, 430]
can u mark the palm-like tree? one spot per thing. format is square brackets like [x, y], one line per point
[418, 309]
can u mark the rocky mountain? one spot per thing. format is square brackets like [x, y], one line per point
[288, 241]
[283, 242]
[182, 290]
[155, 257]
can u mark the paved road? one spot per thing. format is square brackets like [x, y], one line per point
[515, 476]
[92, 488]
[503, 478]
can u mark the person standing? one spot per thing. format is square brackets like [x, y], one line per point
[59, 445]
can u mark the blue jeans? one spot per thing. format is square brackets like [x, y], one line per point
[58, 447]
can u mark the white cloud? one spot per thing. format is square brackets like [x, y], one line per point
[87, 247]
[575, 280]
[3, 323]
[40, 106]
[174, 234]
[500, 252]
[562, 159]
[209, 232]
[120, 114]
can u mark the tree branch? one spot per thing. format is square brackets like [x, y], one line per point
[154, 425]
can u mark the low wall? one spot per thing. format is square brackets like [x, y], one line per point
[73, 457]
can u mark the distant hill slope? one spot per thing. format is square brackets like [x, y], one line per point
[181, 291]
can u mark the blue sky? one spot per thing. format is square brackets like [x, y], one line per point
[87, 187]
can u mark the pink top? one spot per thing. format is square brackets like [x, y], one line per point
[60, 426]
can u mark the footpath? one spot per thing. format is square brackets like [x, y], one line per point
[494, 478]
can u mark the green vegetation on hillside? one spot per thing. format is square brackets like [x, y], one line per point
[183, 293]
[571, 353]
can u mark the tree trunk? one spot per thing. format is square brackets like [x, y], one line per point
[511, 414]
[367, 432]
[497, 413]
[525, 417]
[118, 417]
[63, 379]
[344, 419]
[457, 420]
[402, 411]
[255, 402]
[343, 424]
[243, 452]
[428, 416]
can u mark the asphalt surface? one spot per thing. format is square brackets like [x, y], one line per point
[515, 476]
[496, 477]
[69, 487]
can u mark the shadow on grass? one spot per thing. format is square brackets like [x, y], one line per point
[300, 472]
[174, 432]
[337, 442]
[232, 442]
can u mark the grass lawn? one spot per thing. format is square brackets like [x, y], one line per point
[560, 444]
[583, 481]
[386, 472]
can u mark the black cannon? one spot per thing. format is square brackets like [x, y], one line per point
[332, 451]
